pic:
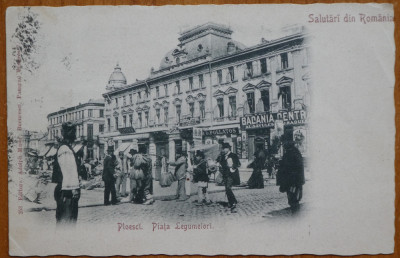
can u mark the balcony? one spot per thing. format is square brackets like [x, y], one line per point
[126, 130]
[189, 120]
[225, 118]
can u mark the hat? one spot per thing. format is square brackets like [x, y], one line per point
[120, 152]
[110, 148]
[199, 153]
[68, 130]
[226, 145]
[132, 151]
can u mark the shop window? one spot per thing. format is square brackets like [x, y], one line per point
[219, 75]
[232, 105]
[202, 109]
[191, 109]
[263, 63]
[220, 104]
[285, 95]
[101, 128]
[284, 61]
[251, 102]
[231, 73]
[201, 81]
[190, 83]
[265, 99]
[178, 112]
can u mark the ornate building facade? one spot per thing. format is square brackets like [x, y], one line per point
[212, 89]
[89, 120]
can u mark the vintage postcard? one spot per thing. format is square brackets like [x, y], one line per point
[230, 129]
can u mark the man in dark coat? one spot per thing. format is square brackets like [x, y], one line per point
[230, 170]
[201, 178]
[290, 175]
[110, 162]
[65, 174]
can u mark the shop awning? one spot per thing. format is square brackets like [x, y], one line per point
[43, 151]
[122, 147]
[77, 147]
[52, 152]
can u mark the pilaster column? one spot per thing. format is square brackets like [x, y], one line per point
[152, 152]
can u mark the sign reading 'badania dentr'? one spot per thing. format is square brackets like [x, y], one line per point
[267, 120]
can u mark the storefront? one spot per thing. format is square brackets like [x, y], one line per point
[230, 135]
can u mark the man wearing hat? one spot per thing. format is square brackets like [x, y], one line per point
[201, 177]
[65, 174]
[230, 170]
[110, 163]
[121, 175]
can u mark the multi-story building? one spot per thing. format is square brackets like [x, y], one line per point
[214, 85]
[89, 120]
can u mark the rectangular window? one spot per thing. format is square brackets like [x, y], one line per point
[251, 102]
[263, 63]
[249, 69]
[116, 102]
[124, 100]
[191, 109]
[178, 112]
[130, 99]
[166, 115]
[90, 131]
[130, 120]
[90, 112]
[83, 114]
[202, 109]
[231, 73]
[157, 92]
[101, 113]
[101, 128]
[166, 89]
[284, 92]
[108, 124]
[190, 83]
[146, 118]
[116, 123]
[201, 81]
[139, 95]
[265, 99]
[232, 105]
[158, 115]
[124, 120]
[140, 119]
[284, 61]
[219, 75]
[220, 104]
[177, 87]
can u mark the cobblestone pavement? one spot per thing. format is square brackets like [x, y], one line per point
[253, 204]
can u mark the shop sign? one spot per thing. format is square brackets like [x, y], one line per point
[267, 120]
[224, 131]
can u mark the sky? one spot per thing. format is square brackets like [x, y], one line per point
[78, 47]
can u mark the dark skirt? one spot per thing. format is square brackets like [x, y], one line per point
[256, 180]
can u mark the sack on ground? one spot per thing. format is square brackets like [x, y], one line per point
[166, 179]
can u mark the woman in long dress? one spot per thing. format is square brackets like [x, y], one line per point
[256, 179]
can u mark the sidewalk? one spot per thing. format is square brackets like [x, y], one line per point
[95, 197]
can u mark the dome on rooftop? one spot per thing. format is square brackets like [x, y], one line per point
[117, 78]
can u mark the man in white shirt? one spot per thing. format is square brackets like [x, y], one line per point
[65, 174]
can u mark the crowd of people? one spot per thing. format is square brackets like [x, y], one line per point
[137, 168]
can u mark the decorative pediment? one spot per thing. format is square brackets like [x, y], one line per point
[145, 108]
[157, 105]
[218, 93]
[248, 87]
[263, 85]
[115, 113]
[177, 101]
[190, 99]
[128, 111]
[231, 91]
[165, 103]
[306, 76]
[284, 81]
[201, 97]
[139, 109]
